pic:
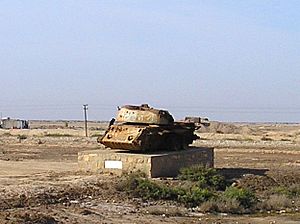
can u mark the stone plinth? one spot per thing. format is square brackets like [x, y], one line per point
[160, 164]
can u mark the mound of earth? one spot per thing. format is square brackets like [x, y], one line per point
[225, 128]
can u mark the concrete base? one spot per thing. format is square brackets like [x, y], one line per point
[161, 164]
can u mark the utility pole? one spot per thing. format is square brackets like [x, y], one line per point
[85, 108]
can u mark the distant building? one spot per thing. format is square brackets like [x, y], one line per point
[8, 123]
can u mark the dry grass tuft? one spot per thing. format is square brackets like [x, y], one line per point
[276, 202]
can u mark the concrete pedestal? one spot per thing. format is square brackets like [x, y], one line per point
[160, 164]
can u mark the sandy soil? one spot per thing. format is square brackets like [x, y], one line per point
[39, 181]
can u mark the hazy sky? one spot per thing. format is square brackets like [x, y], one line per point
[228, 60]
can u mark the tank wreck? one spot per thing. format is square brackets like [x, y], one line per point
[146, 129]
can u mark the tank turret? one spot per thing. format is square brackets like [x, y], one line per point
[144, 115]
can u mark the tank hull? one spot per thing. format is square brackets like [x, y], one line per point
[149, 137]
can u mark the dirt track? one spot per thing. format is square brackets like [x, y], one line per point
[40, 183]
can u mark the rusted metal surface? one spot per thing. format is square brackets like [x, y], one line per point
[141, 128]
[123, 137]
[144, 115]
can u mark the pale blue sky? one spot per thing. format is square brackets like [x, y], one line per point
[228, 60]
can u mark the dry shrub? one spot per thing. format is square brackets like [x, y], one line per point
[209, 206]
[225, 205]
[276, 202]
[230, 205]
[233, 200]
[21, 137]
[96, 135]
[294, 190]
[58, 135]
[265, 138]
[290, 191]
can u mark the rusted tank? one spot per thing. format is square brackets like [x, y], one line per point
[141, 128]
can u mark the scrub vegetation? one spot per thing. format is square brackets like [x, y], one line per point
[209, 191]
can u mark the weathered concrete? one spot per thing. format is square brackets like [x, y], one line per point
[163, 164]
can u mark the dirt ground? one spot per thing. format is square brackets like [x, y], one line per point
[39, 181]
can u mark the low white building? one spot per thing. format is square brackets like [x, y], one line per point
[8, 123]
